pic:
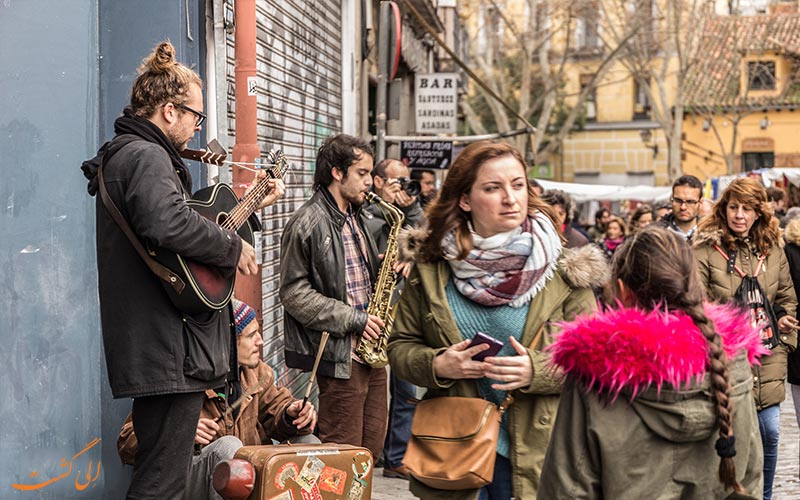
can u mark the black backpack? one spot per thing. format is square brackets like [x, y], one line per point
[751, 297]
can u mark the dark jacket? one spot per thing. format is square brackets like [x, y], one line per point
[262, 416]
[376, 223]
[313, 290]
[424, 326]
[793, 257]
[147, 341]
[629, 428]
[776, 282]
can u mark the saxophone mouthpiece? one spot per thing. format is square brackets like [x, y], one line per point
[372, 197]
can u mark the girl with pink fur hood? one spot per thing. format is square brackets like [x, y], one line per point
[657, 401]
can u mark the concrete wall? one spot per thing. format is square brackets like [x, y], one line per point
[65, 73]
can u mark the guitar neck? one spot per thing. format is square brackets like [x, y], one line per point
[249, 204]
[204, 156]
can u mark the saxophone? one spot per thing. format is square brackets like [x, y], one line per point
[373, 352]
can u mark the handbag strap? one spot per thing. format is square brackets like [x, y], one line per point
[739, 269]
[162, 272]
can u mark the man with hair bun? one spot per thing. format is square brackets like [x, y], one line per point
[161, 357]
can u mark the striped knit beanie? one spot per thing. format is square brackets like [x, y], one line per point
[242, 314]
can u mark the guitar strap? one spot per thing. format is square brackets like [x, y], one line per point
[162, 272]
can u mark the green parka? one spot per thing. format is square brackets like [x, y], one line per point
[776, 281]
[424, 327]
[636, 419]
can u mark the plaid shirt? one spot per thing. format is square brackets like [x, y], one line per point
[357, 281]
[357, 284]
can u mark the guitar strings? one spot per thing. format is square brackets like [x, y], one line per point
[250, 203]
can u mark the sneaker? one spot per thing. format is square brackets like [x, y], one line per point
[398, 473]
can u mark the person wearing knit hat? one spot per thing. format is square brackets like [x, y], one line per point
[243, 314]
[271, 412]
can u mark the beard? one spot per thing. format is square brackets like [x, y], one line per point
[176, 140]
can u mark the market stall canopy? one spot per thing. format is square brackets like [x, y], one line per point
[600, 192]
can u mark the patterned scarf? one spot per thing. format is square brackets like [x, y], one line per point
[508, 268]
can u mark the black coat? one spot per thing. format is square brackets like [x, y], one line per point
[147, 341]
[313, 287]
[793, 256]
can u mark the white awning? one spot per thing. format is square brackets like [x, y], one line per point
[599, 192]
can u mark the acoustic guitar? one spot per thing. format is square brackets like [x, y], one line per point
[206, 289]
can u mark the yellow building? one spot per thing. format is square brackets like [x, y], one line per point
[743, 97]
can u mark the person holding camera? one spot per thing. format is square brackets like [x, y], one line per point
[390, 181]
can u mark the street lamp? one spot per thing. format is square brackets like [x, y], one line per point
[646, 135]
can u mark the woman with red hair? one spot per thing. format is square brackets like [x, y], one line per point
[740, 238]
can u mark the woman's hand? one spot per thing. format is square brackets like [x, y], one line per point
[787, 323]
[457, 363]
[514, 371]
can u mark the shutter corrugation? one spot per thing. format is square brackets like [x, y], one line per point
[299, 66]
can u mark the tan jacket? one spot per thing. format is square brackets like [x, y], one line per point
[262, 416]
[424, 326]
[776, 282]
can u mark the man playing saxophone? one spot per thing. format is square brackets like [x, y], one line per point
[390, 181]
[329, 264]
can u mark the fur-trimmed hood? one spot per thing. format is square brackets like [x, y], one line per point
[713, 236]
[707, 237]
[581, 267]
[631, 350]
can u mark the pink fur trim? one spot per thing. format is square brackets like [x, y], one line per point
[636, 349]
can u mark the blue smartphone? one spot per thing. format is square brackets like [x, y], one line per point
[481, 338]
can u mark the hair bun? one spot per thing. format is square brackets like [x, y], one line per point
[162, 59]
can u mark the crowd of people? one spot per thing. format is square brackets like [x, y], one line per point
[630, 363]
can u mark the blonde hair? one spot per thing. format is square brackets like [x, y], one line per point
[792, 231]
[161, 80]
[622, 226]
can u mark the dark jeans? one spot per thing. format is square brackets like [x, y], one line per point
[401, 412]
[165, 427]
[354, 411]
[500, 488]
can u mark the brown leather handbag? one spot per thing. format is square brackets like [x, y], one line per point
[453, 442]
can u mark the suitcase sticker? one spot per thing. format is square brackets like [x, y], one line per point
[310, 472]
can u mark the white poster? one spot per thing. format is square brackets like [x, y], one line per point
[436, 103]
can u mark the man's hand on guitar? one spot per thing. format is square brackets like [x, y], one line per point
[247, 260]
[275, 189]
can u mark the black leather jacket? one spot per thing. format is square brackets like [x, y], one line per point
[313, 290]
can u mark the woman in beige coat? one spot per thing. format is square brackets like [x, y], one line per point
[741, 236]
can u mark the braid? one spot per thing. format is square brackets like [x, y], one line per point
[721, 394]
[657, 265]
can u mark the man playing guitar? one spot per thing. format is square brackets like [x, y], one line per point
[161, 357]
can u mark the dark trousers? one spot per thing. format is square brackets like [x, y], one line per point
[165, 427]
[401, 413]
[354, 411]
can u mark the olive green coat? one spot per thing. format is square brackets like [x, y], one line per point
[776, 281]
[424, 327]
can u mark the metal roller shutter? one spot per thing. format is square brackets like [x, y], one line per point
[299, 104]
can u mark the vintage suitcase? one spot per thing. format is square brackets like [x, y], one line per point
[310, 471]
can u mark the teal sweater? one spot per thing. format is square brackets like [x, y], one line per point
[498, 322]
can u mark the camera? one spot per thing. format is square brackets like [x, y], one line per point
[410, 186]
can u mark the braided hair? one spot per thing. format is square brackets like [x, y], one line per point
[657, 266]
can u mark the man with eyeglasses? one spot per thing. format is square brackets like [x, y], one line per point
[686, 198]
[161, 357]
[386, 183]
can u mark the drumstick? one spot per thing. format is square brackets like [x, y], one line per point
[322, 343]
